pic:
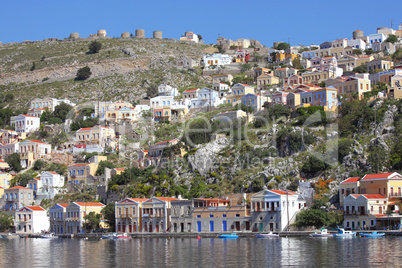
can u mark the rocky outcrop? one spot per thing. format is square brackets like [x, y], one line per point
[205, 157]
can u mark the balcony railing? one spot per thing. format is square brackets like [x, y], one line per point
[126, 215]
[395, 195]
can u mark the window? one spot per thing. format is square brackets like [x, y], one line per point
[198, 216]
[237, 215]
[29, 196]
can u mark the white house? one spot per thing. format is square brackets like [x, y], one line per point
[357, 44]
[26, 123]
[206, 97]
[190, 36]
[166, 90]
[377, 38]
[309, 54]
[31, 220]
[161, 101]
[217, 60]
[49, 103]
[47, 186]
[275, 210]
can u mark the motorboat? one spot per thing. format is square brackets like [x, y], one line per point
[124, 236]
[229, 236]
[322, 233]
[343, 233]
[48, 236]
[9, 236]
[266, 235]
[110, 236]
[372, 234]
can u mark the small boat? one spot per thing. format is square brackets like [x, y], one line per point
[322, 233]
[9, 236]
[110, 236]
[124, 236]
[372, 234]
[343, 233]
[268, 235]
[49, 236]
[229, 236]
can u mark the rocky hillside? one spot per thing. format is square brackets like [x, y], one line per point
[123, 68]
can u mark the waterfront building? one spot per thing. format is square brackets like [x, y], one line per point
[216, 215]
[57, 215]
[75, 213]
[31, 220]
[156, 213]
[275, 210]
[347, 187]
[128, 214]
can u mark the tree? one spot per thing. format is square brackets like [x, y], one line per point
[199, 37]
[377, 156]
[392, 39]
[39, 164]
[397, 56]
[61, 111]
[33, 67]
[245, 67]
[6, 222]
[94, 47]
[14, 161]
[101, 168]
[282, 46]
[92, 221]
[312, 217]
[360, 69]
[357, 51]
[108, 213]
[83, 73]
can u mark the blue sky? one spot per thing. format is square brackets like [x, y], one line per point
[304, 22]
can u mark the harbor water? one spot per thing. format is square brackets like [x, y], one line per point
[205, 252]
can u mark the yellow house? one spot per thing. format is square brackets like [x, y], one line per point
[101, 108]
[387, 184]
[347, 187]
[85, 172]
[75, 213]
[353, 85]
[95, 136]
[156, 214]
[395, 91]
[366, 211]
[237, 92]
[120, 115]
[128, 213]
[32, 150]
[266, 79]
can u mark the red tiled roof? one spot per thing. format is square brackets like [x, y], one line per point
[55, 173]
[351, 180]
[37, 141]
[36, 208]
[380, 215]
[119, 169]
[355, 195]
[64, 205]
[127, 200]
[28, 115]
[18, 187]
[373, 196]
[84, 129]
[377, 176]
[282, 192]
[82, 164]
[190, 90]
[90, 204]
[167, 198]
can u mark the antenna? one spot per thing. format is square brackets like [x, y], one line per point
[392, 23]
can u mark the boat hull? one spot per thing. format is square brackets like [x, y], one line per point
[372, 235]
[231, 236]
[266, 235]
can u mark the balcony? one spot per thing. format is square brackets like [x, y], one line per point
[392, 195]
[126, 216]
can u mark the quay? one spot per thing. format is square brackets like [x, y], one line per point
[94, 236]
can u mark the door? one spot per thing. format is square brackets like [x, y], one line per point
[182, 227]
[353, 225]
[157, 227]
[261, 227]
[224, 227]
[150, 227]
[271, 226]
[61, 230]
[211, 226]
[124, 228]
[380, 209]
[129, 228]
[198, 226]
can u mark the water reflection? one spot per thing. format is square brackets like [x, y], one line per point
[251, 252]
